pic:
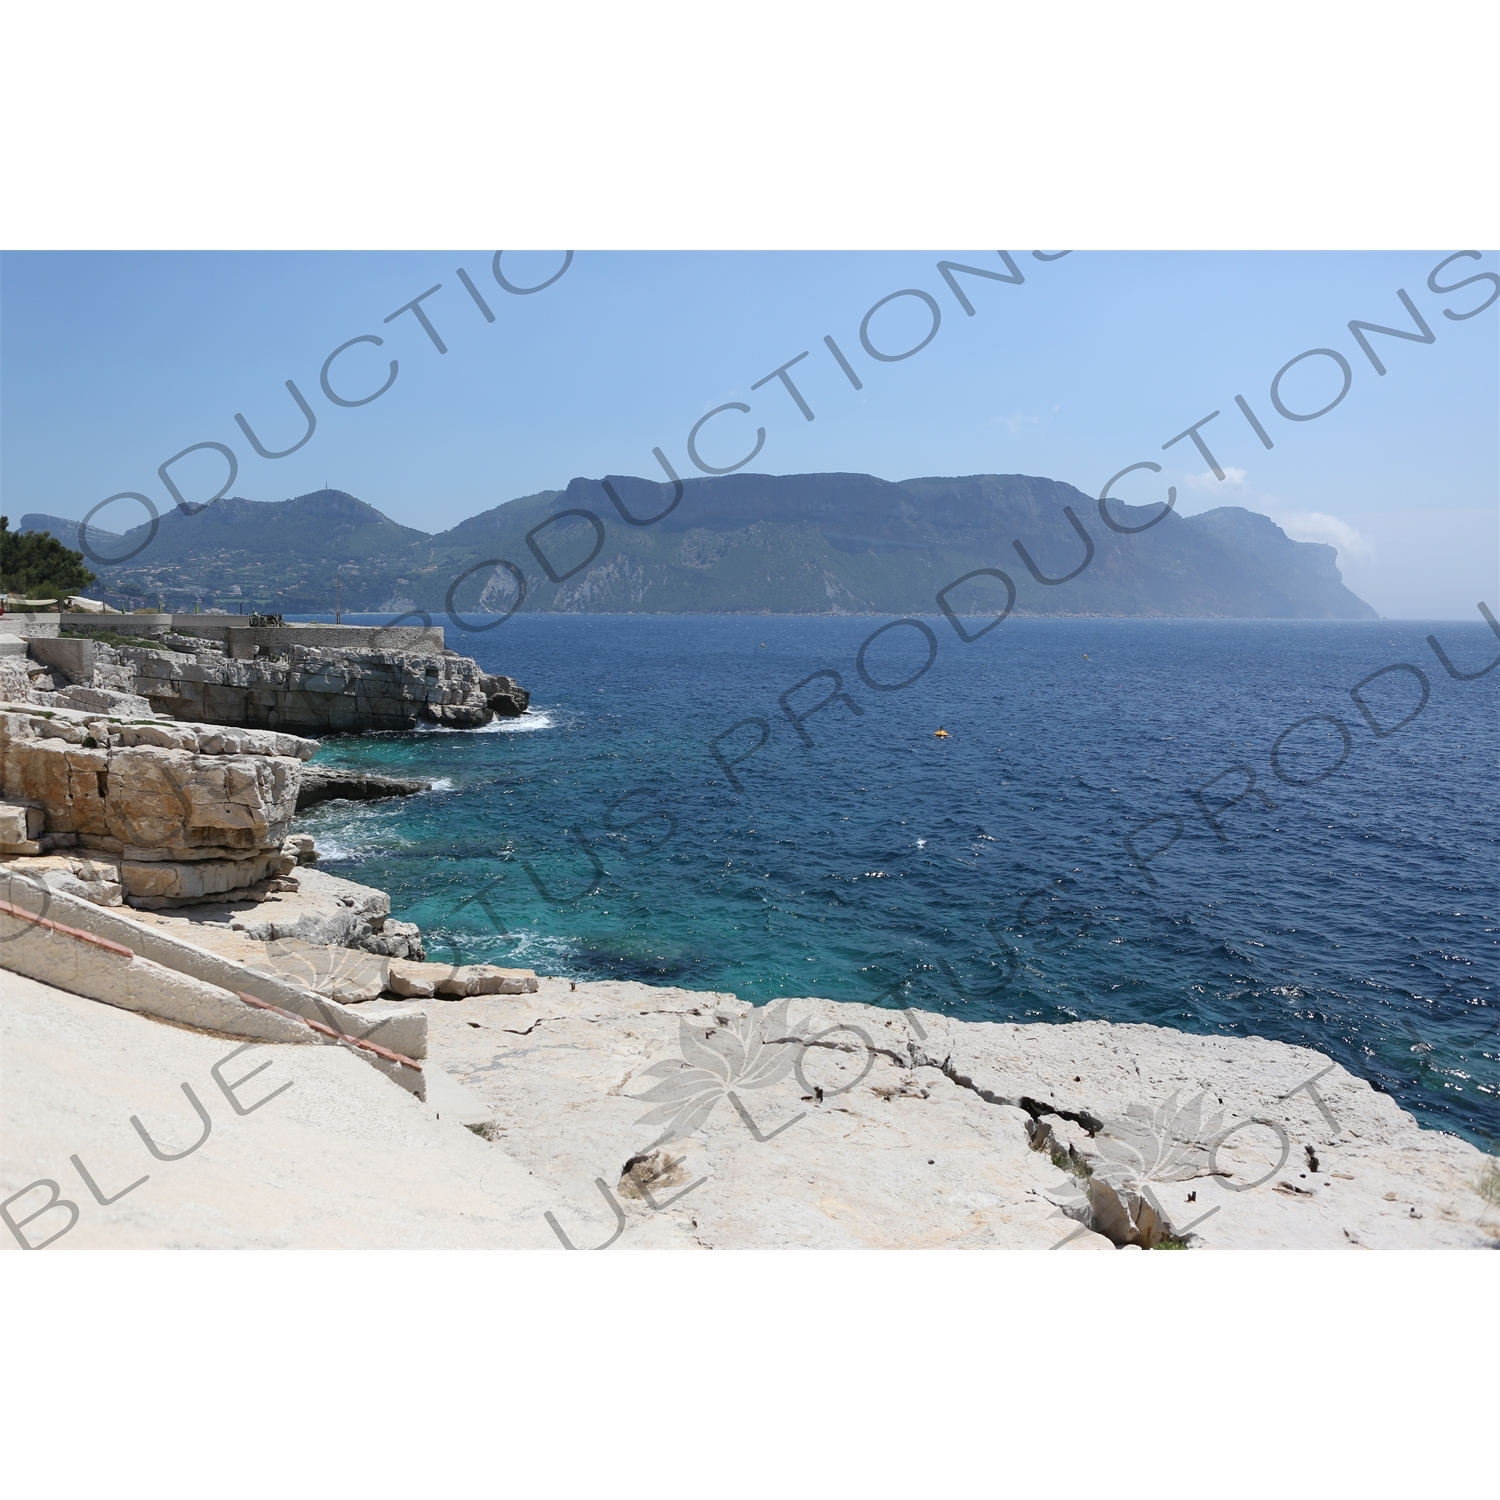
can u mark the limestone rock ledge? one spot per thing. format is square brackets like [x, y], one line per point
[820, 1124]
[334, 938]
[173, 814]
[323, 690]
[458, 981]
[615, 1113]
[324, 909]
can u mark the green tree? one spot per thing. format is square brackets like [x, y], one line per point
[38, 566]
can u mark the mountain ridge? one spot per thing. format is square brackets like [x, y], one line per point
[741, 543]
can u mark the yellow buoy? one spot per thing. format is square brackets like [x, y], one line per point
[940, 734]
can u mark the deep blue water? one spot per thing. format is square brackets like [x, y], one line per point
[988, 873]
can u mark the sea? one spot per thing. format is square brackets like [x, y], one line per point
[1244, 828]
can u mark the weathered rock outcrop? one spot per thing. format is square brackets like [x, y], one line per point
[321, 690]
[163, 815]
[325, 909]
[90, 877]
[103, 701]
[326, 784]
[328, 936]
[180, 813]
[20, 676]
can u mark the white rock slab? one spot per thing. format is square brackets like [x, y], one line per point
[928, 1141]
[327, 1154]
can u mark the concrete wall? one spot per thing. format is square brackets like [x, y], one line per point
[237, 636]
[73, 658]
[136, 625]
[242, 642]
[29, 626]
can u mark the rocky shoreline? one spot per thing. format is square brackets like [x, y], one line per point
[109, 794]
[318, 690]
[592, 1116]
[193, 823]
[151, 864]
[300, 679]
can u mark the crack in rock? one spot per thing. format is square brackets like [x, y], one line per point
[1092, 1124]
[895, 1057]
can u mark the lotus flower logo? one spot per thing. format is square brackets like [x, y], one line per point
[752, 1052]
[328, 971]
[1168, 1144]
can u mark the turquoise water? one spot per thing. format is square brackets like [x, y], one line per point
[986, 874]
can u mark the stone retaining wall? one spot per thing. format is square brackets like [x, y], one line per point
[243, 642]
[29, 626]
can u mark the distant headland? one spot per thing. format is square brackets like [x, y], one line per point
[740, 544]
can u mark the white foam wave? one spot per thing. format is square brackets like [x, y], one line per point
[548, 954]
[442, 784]
[350, 832]
[335, 850]
[529, 721]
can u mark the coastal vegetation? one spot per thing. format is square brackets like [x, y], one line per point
[38, 566]
[111, 638]
[1488, 1186]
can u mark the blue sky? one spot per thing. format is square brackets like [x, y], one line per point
[110, 363]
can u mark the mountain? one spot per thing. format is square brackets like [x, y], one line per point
[66, 531]
[851, 543]
[742, 543]
[278, 555]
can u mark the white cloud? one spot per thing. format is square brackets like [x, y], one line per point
[1300, 525]
[1209, 482]
[1314, 526]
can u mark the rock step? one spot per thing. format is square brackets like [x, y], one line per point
[193, 976]
[21, 825]
[457, 981]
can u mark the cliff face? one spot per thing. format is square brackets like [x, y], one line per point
[855, 544]
[316, 690]
[170, 814]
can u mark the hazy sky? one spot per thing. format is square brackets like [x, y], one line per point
[112, 363]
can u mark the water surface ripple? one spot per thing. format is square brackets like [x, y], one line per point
[986, 874]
